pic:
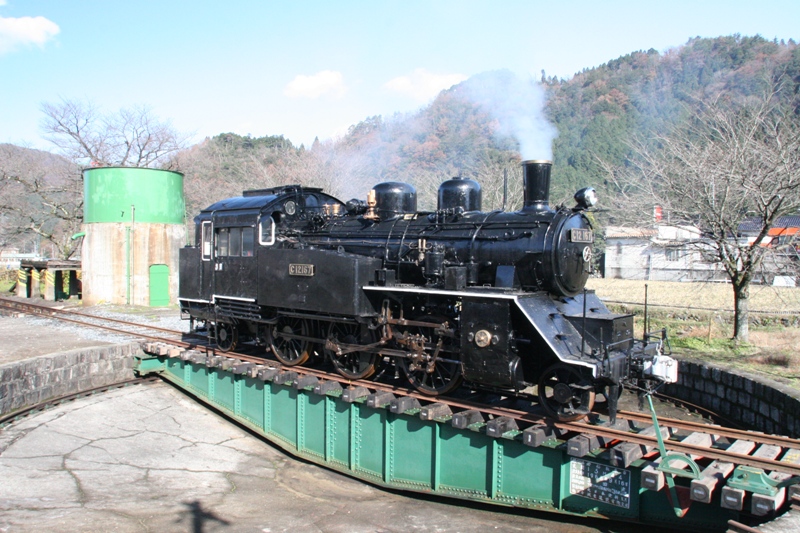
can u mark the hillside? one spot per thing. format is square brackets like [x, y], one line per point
[599, 109]
[471, 128]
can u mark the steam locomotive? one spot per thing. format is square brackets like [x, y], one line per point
[495, 300]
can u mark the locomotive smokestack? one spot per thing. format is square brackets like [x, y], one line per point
[536, 183]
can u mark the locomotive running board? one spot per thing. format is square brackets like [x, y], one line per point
[405, 444]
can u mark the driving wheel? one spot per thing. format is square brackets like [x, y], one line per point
[350, 364]
[227, 336]
[285, 341]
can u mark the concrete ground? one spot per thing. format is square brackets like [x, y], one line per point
[23, 338]
[148, 458]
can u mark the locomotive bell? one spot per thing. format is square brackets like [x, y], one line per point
[536, 183]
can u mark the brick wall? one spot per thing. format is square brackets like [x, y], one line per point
[31, 381]
[747, 401]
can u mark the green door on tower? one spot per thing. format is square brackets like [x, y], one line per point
[159, 285]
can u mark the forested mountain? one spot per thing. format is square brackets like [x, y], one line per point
[595, 114]
[599, 109]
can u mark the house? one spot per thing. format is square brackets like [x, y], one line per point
[780, 265]
[10, 259]
[785, 231]
[662, 253]
[669, 253]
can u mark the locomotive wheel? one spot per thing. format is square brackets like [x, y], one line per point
[565, 394]
[445, 375]
[227, 336]
[353, 365]
[290, 351]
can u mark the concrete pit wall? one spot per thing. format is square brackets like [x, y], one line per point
[31, 381]
[745, 400]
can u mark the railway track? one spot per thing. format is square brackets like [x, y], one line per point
[700, 459]
[123, 327]
[718, 452]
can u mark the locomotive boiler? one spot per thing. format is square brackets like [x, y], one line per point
[492, 300]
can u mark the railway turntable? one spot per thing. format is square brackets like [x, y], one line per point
[639, 469]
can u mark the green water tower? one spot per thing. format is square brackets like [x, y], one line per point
[134, 224]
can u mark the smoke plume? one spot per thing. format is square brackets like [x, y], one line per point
[518, 107]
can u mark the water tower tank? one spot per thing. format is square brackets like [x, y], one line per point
[134, 225]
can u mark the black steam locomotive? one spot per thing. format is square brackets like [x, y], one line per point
[456, 295]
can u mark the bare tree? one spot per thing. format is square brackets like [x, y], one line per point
[40, 194]
[131, 137]
[735, 159]
[498, 177]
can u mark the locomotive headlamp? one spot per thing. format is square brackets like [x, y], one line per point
[483, 338]
[586, 197]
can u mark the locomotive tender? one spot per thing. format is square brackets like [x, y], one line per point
[495, 299]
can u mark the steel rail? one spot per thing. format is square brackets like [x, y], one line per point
[693, 449]
[51, 311]
[60, 314]
[714, 429]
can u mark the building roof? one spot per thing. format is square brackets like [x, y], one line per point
[620, 232]
[753, 224]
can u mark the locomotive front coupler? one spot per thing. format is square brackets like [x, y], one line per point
[615, 370]
[613, 392]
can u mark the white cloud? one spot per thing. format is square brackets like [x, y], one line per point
[422, 85]
[15, 32]
[327, 83]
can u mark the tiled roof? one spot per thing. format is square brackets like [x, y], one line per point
[751, 225]
[620, 232]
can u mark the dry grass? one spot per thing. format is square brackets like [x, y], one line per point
[717, 296]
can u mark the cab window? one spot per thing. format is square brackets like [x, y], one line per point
[266, 231]
[235, 242]
[207, 237]
[235, 247]
[223, 240]
[248, 242]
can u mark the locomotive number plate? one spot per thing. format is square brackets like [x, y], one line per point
[581, 235]
[297, 269]
[600, 482]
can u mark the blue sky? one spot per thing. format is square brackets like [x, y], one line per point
[313, 68]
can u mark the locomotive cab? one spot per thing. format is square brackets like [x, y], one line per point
[218, 277]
